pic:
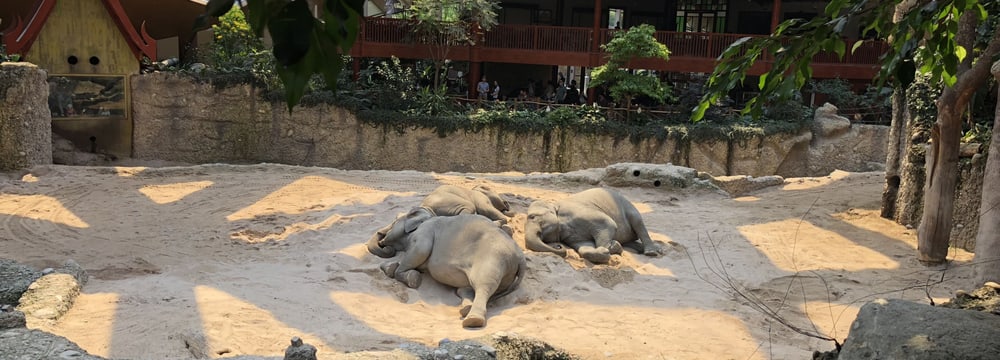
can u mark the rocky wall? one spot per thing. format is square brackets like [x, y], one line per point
[25, 122]
[178, 119]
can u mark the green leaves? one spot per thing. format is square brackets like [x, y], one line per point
[923, 40]
[303, 44]
[636, 43]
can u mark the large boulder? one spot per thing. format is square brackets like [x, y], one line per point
[898, 329]
[14, 281]
[27, 344]
[49, 297]
[25, 121]
[667, 177]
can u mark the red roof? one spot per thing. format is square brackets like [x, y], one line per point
[19, 37]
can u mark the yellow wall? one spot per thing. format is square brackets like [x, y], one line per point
[82, 28]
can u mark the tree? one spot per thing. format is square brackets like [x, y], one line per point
[304, 44]
[442, 24]
[624, 84]
[987, 257]
[938, 38]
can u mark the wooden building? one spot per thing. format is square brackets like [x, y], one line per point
[89, 48]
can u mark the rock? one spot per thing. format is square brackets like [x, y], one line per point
[441, 354]
[73, 269]
[992, 285]
[12, 319]
[25, 119]
[14, 281]
[827, 123]
[300, 351]
[49, 297]
[740, 185]
[898, 329]
[969, 149]
[666, 177]
[24, 343]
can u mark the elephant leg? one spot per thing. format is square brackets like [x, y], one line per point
[411, 278]
[635, 246]
[597, 255]
[467, 294]
[476, 316]
[649, 248]
[389, 268]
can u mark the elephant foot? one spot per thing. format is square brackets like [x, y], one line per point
[389, 268]
[615, 248]
[474, 321]
[653, 250]
[412, 279]
[597, 257]
[507, 229]
[464, 311]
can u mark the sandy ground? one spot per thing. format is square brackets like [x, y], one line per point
[245, 257]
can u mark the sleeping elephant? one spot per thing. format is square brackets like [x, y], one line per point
[596, 223]
[448, 200]
[468, 252]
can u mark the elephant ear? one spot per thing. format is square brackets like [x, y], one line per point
[415, 217]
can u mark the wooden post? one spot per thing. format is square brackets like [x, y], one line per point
[775, 15]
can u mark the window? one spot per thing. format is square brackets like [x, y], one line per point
[701, 16]
[87, 96]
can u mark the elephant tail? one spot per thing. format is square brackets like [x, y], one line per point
[522, 267]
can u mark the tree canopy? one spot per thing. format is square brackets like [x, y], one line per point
[304, 44]
[925, 39]
[624, 84]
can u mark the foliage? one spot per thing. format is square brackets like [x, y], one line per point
[432, 102]
[624, 84]
[302, 43]
[7, 57]
[869, 106]
[925, 36]
[391, 83]
[446, 23]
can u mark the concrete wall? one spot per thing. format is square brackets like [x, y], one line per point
[177, 119]
[25, 123]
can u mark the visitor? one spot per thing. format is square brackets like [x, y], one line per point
[572, 94]
[561, 91]
[496, 90]
[483, 88]
[550, 91]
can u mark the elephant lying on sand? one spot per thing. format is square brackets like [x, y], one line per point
[468, 252]
[596, 223]
[448, 200]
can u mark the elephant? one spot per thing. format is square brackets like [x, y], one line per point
[448, 200]
[466, 251]
[595, 222]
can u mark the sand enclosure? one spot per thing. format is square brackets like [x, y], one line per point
[245, 257]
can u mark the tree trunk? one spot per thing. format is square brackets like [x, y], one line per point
[987, 259]
[939, 188]
[896, 152]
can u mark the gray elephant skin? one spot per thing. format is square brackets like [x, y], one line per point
[449, 200]
[468, 252]
[595, 222]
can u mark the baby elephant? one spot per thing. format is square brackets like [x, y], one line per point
[448, 200]
[596, 223]
[468, 252]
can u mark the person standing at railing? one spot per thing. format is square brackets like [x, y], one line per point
[483, 88]
[496, 90]
[561, 91]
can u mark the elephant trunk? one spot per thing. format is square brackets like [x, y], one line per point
[533, 241]
[379, 250]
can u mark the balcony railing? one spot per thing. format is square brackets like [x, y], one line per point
[522, 38]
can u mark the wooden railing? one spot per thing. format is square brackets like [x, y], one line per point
[576, 39]
[534, 37]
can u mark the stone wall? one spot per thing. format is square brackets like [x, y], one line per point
[177, 119]
[25, 122]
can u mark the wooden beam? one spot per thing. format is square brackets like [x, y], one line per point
[775, 15]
